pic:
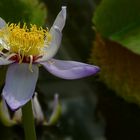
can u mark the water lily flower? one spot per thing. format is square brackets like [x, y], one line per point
[24, 49]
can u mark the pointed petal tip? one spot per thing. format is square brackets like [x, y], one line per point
[11, 102]
[64, 12]
[56, 99]
[89, 70]
[2, 23]
[60, 19]
[70, 70]
[56, 96]
[64, 9]
[96, 69]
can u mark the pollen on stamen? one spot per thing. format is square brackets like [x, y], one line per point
[26, 41]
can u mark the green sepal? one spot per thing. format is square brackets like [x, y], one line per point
[5, 116]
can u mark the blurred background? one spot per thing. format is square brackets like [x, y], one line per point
[101, 32]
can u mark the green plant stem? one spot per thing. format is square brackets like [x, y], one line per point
[28, 121]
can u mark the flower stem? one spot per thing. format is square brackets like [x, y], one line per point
[28, 121]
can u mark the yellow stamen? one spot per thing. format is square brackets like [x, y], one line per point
[26, 41]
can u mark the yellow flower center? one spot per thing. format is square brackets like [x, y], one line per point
[26, 41]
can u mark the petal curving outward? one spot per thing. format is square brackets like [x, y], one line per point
[70, 69]
[60, 19]
[56, 33]
[4, 61]
[20, 84]
[2, 23]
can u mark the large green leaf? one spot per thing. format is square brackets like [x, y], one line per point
[119, 20]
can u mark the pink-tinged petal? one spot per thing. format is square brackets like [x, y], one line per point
[4, 61]
[2, 23]
[70, 69]
[56, 33]
[20, 84]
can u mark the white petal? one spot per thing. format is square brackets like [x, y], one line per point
[52, 49]
[60, 19]
[2, 23]
[4, 61]
[2, 42]
[56, 34]
[37, 110]
[20, 84]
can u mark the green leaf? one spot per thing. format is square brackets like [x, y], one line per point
[129, 38]
[119, 20]
[29, 11]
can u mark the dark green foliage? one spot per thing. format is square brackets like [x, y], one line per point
[115, 15]
[119, 20]
[29, 11]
